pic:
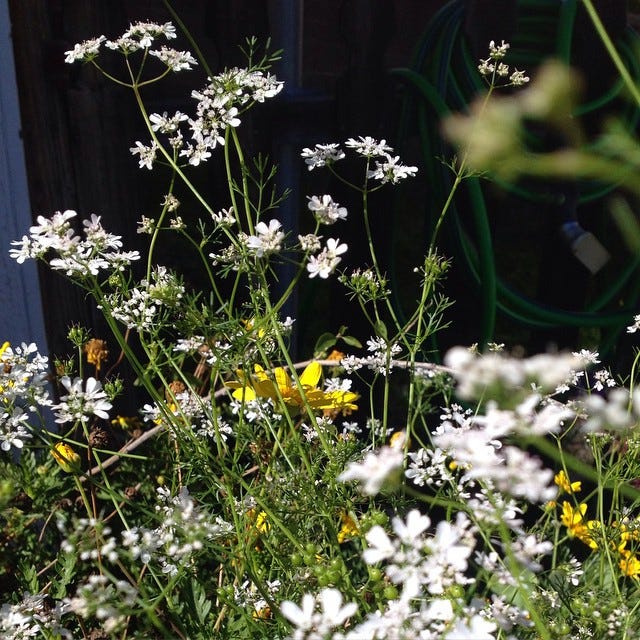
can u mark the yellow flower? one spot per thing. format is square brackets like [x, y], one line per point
[283, 389]
[348, 529]
[576, 527]
[66, 457]
[4, 347]
[629, 564]
[127, 422]
[260, 523]
[562, 480]
[261, 613]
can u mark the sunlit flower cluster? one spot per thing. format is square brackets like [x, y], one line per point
[387, 168]
[141, 36]
[82, 401]
[183, 532]
[76, 257]
[326, 210]
[139, 307]
[23, 390]
[324, 263]
[380, 358]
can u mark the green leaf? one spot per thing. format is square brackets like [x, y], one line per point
[202, 604]
[352, 342]
[381, 329]
[324, 343]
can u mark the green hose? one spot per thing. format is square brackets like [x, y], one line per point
[444, 79]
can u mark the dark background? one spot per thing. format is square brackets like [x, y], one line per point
[78, 127]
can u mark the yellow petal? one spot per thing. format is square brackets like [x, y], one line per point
[66, 457]
[311, 375]
[284, 382]
[244, 394]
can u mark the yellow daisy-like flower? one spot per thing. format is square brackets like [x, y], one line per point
[572, 519]
[562, 480]
[282, 388]
[629, 564]
[66, 457]
[348, 529]
[4, 347]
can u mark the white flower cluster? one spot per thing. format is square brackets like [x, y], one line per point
[379, 360]
[138, 307]
[220, 103]
[635, 326]
[81, 403]
[109, 602]
[419, 562]
[494, 67]
[426, 565]
[476, 446]
[80, 541]
[267, 239]
[77, 257]
[378, 470]
[183, 532]
[31, 617]
[326, 210]
[324, 263]
[140, 36]
[250, 596]
[322, 155]
[318, 615]
[256, 411]
[498, 376]
[23, 389]
[191, 409]
[387, 168]
[618, 412]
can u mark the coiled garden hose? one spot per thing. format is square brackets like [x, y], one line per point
[443, 79]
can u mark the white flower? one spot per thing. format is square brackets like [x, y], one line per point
[635, 326]
[175, 60]
[268, 239]
[414, 526]
[368, 147]
[310, 242]
[377, 469]
[380, 546]
[325, 210]
[325, 263]
[84, 51]
[321, 155]
[518, 78]
[497, 52]
[315, 625]
[526, 550]
[81, 404]
[165, 123]
[476, 628]
[390, 170]
[619, 411]
[147, 154]
[301, 617]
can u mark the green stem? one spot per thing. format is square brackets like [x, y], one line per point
[611, 49]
